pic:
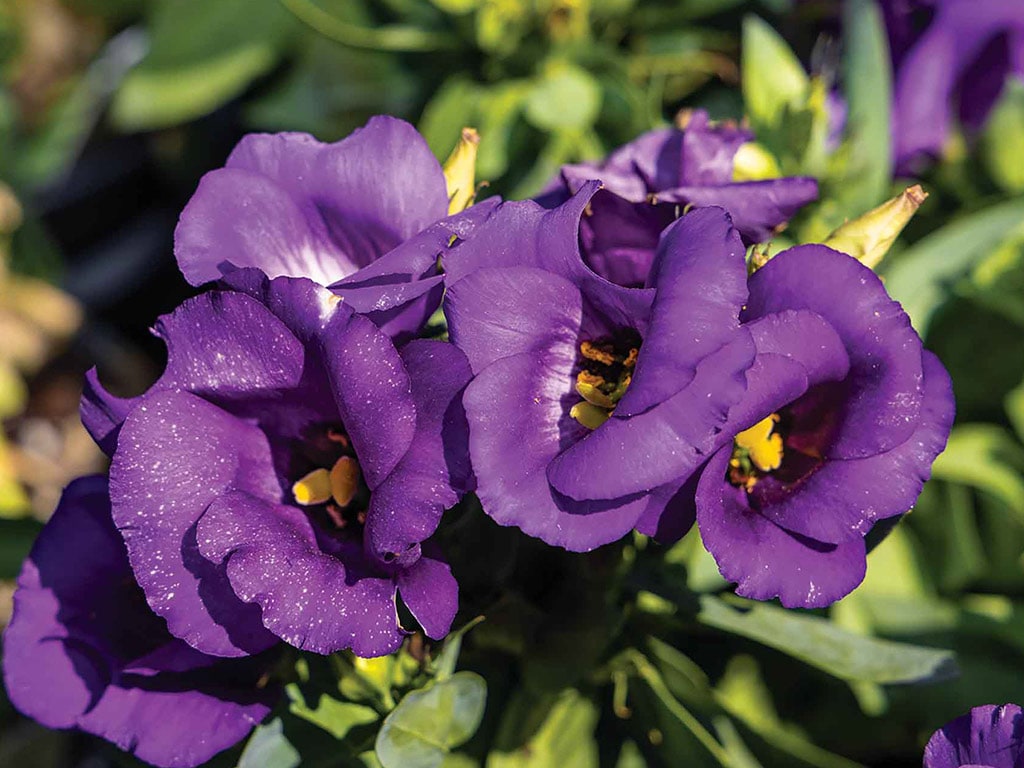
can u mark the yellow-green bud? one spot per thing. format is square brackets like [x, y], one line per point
[753, 162]
[869, 237]
[460, 171]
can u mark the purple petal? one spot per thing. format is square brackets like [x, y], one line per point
[364, 371]
[757, 207]
[291, 206]
[990, 736]
[173, 728]
[842, 499]
[927, 75]
[671, 511]
[765, 560]
[807, 338]
[795, 350]
[406, 508]
[401, 289]
[885, 379]
[374, 395]
[708, 151]
[619, 237]
[176, 454]
[223, 346]
[701, 283]
[314, 593]
[664, 444]
[431, 593]
[68, 651]
[498, 313]
[525, 234]
[240, 218]
[518, 423]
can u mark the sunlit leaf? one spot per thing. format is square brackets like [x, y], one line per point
[268, 748]
[427, 724]
[1003, 140]
[867, 86]
[922, 276]
[821, 644]
[335, 717]
[566, 739]
[986, 457]
[773, 77]
[565, 98]
[202, 53]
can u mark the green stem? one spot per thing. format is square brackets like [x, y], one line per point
[653, 679]
[393, 37]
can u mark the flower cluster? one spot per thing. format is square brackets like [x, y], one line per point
[952, 59]
[611, 365]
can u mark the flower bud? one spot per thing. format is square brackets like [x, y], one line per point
[460, 171]
[870, 236]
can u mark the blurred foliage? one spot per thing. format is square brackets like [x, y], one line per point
[635, 655]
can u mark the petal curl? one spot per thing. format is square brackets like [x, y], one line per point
[764, 560]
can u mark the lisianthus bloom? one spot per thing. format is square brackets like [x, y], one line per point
[986, 737]
[366, 214]
[83, 650]
[951, 59]
[280, 477]
[648, 181]
[591, 402]
[841, 419]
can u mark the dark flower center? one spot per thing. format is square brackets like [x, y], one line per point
[787, 445]
[334, 489]
[605, 370]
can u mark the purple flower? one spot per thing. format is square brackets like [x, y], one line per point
[590, 402]
[648, 181]
[842, 417]
[363, 214]
[279, 479]
[84, 651]
[986, 737]
[953, 64]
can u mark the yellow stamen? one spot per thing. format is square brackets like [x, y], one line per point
[764, 448]
[314, 488]
[592, 394]
[344, 480]
[590, 415]
[592, 352]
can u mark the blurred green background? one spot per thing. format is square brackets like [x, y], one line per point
[111, 110]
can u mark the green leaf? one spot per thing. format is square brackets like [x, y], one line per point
[867, 80]
[202, 54]
[565, 98]
[335, 717]
[1014, 403]
[452, 108]
[921, 277]
[998, 280]
[565, 740]
[427, 724]
[682, 675]
[773, 77]
[1003, 140]
[268, 748]
[986, 457]
[821, 644]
